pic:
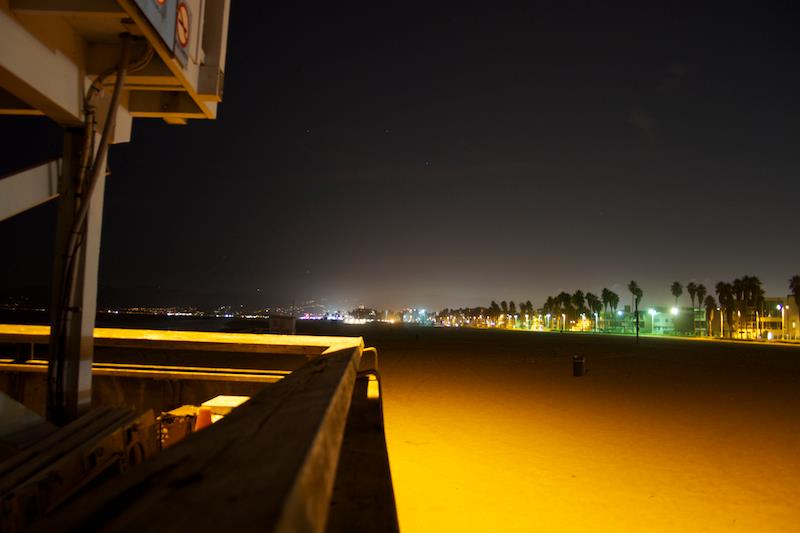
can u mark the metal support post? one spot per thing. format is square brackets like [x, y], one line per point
[74, 298]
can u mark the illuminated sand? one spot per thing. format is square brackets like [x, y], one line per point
[488, 431]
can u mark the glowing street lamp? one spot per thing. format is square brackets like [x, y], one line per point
[739, 322]
[652, 312]
[674, 311]
[782, 309]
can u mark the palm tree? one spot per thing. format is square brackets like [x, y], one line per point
[565, 307]
[794, 286]
[738, 288]
[613, 301]
[753, 295]
[494, 311]
[759, 302]
[691, 288]
[701, 292]
[607, 297]
[526, 310]
[593, 302]
[676, 289]
[710, 306]
[579, 301]
[637, 294]
[727, 301]
[595, 306]
[549, 305]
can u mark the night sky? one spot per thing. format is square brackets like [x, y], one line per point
[431, 157]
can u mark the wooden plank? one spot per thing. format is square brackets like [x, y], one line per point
[11, 105]
[363, 496]
[193, 340]
[269, 465]
[157, 371]
[33, 460]
[95, 8]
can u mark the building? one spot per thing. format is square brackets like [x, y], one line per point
[777, 319]
[661, 320]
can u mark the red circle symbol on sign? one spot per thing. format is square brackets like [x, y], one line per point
[182, 25]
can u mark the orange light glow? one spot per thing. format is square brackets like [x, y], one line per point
[486, 451]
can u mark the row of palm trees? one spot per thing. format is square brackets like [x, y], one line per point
[565, 306]
[505, 312]
[695, 290]
[508, 309]
[743, 297]
[580, 303]
[740, 302]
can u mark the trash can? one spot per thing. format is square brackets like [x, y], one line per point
[578, 365]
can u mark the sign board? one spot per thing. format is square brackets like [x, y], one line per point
[183, 29]
[161, 14]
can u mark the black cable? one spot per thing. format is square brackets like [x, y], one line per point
[88, 184]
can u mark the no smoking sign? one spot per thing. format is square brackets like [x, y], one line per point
[183, 24]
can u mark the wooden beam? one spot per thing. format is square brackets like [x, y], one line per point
[29, 188]
[268, 466]
[100, 8]
[363, 495]
[122, 370]
[201, 341]
[151, 104]
[11, 105]
[44, 79]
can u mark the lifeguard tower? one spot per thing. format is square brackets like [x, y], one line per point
[97, 420]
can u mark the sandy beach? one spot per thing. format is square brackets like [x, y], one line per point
[489, 431]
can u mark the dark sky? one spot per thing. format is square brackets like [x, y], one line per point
[422, 156]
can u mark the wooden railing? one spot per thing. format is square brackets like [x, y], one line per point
[305, 453]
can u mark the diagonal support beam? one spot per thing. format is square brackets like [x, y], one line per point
[28, 188]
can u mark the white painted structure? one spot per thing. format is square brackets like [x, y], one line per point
[93, 66]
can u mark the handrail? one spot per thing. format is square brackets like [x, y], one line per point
[192, 340]
[269, 465]
[369, 359]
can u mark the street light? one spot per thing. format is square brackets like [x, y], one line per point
[739, 322]
[674, 311]
[652, 312]
[782, 309]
